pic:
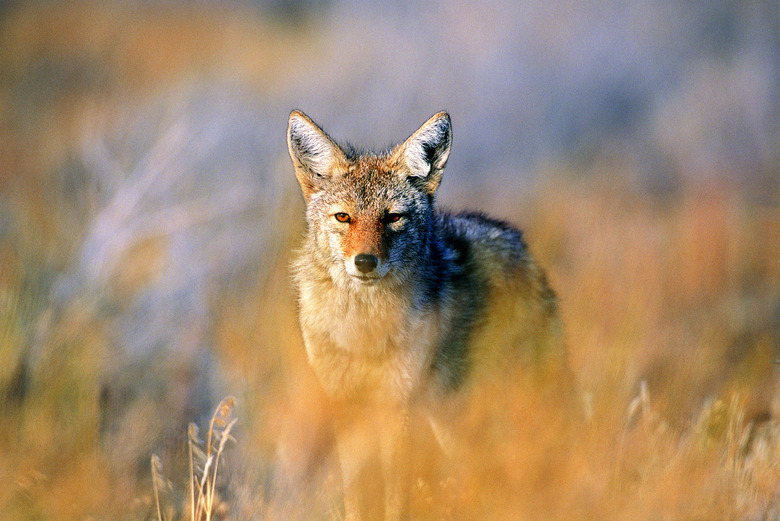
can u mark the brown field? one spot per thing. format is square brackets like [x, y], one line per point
[143, 277]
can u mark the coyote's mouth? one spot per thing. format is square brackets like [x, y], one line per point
[366, 280]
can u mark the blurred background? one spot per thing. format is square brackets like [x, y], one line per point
[148, 211]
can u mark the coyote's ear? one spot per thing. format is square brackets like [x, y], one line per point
[312, 151]
[425, 153]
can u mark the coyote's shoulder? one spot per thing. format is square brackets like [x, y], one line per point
[398, 299]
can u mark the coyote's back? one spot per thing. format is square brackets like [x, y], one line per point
[401, 303]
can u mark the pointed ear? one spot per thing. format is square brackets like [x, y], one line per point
[312, 151]
[425, 153]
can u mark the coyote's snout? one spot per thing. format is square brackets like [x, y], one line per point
[364, 247]
[403, 304]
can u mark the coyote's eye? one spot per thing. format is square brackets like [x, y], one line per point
[342, 217]
[393, 217]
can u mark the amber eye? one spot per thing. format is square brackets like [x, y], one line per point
[342, 217]
[393, 217]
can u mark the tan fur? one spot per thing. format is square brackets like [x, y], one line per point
[446, 302]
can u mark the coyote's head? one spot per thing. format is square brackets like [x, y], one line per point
[369, 215]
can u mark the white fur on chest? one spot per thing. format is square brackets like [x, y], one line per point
[367, 341]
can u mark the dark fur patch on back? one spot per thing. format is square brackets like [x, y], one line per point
[459, 232]
[485, 223]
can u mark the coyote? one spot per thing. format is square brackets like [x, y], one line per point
[402, 304]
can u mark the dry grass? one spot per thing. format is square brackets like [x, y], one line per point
[204, 460]
[671, 305]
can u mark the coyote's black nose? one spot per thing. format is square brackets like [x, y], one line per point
[365, 263]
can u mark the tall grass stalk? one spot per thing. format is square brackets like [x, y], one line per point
[203, 464]
[222, 422]
[157, 483]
